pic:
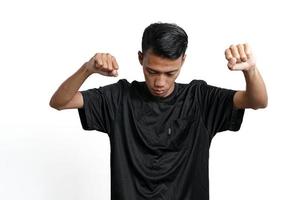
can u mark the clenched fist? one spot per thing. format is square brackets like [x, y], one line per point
[103, 63]
[240, 57]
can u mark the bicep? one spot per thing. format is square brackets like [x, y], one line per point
[240, 100]
[75, 102]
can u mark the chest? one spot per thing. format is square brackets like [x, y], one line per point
[163, 127]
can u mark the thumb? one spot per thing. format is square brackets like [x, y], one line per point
[113, 73]
[231, 63]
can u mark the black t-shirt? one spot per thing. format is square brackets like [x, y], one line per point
[159, 145]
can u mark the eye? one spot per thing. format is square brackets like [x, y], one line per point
[171, 74]
[151, 72]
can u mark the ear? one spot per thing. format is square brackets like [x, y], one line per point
[183, 59]
[141, 56]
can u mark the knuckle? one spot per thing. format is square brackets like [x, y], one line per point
[238, 58]
[227, 52]
[229, 57]
[96, 56]
[104, 66]
[98, 66]
[244, 58]
[104, 58]
[99, 61]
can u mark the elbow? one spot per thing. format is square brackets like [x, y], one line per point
[260, 105]
[265, 104]
[54, 105]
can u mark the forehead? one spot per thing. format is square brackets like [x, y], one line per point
[157, 63]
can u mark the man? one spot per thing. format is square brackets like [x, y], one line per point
[160, 131]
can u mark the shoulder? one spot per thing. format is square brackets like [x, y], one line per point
[204, 90]
[109, 90]
[203, 86]
[120, 86]
[190, 90]
[119, 83]
[198, 82]
[195, 84]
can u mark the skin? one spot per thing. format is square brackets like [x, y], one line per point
[241, 58]
[160, 75]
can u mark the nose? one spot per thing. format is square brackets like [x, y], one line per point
[160, 81]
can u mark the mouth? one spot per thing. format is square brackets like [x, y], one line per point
[158, 92]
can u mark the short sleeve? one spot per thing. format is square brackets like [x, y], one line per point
[218, 111]
[100, 106]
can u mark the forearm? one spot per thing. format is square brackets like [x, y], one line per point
[69, 87]
[256, 93]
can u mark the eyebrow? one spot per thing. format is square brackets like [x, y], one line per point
[148, 68]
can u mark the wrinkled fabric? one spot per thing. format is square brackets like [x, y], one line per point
[159, 145]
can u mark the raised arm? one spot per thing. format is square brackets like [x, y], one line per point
[67, 95]
[255, 96]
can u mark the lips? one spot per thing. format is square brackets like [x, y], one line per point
[158, 92]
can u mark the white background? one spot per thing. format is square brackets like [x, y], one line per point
[46, 155]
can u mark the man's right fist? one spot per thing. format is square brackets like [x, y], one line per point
[103, 63]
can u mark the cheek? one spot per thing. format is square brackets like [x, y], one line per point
[171, 79]
[149, 80]
[170, 82]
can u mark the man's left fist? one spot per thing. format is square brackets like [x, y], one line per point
[240, 57]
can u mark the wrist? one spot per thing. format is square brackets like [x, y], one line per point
[85, 69]
[250, 71]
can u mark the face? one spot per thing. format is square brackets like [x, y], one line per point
[160, 73]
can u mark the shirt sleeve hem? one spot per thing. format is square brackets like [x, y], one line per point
[83, 113]
[237, 116]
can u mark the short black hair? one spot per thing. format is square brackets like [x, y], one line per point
[165, 39]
